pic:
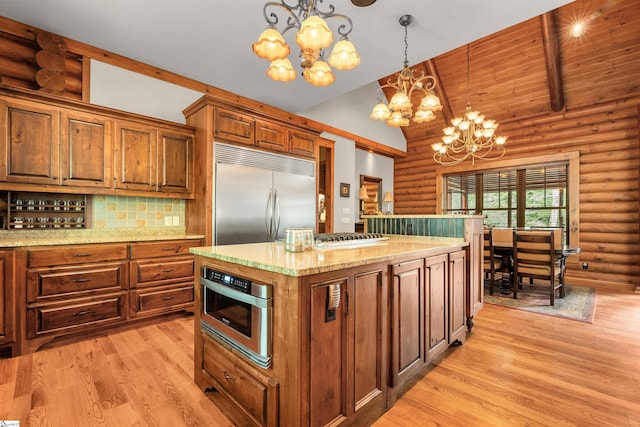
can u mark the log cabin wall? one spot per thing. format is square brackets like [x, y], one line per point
[599, 81]
[38, 60]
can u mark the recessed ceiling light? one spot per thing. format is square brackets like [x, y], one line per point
[577, 30]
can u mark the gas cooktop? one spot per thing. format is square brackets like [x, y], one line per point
[329, 240]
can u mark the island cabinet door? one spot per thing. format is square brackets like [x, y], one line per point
[328, 353]
[407, 320]
[367, 312]
[347, 349]
[437, 310]
[457, 286]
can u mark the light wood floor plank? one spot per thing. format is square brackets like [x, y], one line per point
[515, 369]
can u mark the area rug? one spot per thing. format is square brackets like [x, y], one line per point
[578, 303]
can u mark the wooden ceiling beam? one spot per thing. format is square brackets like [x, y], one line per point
[552, 61]
[447, 113]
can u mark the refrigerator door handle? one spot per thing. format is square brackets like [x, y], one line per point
[276, 213]
[268, 217]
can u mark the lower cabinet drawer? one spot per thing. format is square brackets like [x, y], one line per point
[254, 393]
[148, 273]
[161, 299]
[75, 315]
[45, 283]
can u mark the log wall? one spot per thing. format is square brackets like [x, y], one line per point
[600, 120]
[19, 67]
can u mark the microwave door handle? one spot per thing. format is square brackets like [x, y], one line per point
[276, 213]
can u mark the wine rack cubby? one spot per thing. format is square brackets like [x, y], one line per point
[40, 211]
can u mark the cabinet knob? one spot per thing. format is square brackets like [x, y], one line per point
[83, 312]
[227, 376]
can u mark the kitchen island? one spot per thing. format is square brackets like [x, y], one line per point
[350, 327]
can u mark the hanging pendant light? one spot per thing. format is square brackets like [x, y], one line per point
[399, 111]
[313, 37]
[469, 136]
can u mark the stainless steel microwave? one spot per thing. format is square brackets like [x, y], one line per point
[238, 312]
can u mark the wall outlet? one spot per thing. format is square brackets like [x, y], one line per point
[176, 220]
[168, 221]
[346, 211]
[345, 220]
[585, 265]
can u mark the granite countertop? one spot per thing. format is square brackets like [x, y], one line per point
[273, 257]
[18, 238]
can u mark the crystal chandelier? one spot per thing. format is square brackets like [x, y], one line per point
[399, 110]
[313, 37]
[470, 136]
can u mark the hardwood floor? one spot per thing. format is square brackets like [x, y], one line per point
[516, 368]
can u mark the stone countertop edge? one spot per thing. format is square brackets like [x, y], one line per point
[33, 238]
[273, 257]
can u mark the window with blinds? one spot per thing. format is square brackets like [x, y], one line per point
[534, 197]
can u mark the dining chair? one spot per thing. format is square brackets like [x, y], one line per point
[534, 257]
[492, 262]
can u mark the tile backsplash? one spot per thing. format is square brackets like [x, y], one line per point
[108, 212]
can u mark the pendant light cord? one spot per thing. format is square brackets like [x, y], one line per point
[468, 79]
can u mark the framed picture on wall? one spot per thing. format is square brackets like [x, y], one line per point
[344, 189]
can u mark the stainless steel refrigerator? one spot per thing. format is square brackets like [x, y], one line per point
[259, 194]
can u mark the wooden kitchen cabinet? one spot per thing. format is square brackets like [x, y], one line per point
[151, 159]
[253, 392]
[86, 150]
[29, 143]
[233, 126]
[7, 305]
[73, 289]
[70, 290]
[303, 143]
[456, 296]
[437, 307]
[347, 348]
[407, 310]
[72, 147]
[271, 136]
[162, 277]
[175, 160]
[135, 157]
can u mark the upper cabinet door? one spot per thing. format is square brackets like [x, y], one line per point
[29, 143]
[175, 162]
[135, 157]
[303, 144]
[271, 135]
[86, 151]
[231, 126]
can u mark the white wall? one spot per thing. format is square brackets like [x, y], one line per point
[344, 208]
[375, 165]
[350, 112]
[128, 91]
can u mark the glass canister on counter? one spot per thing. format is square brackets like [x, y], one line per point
[298, 239]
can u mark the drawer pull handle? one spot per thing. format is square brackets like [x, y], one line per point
[83, 312]
[227, 376]
[81, 255]
[168, 249]
[80, 280]
[167, 298]
[168, 270]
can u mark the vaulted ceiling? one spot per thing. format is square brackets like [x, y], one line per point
[210, 40]
[536, 68]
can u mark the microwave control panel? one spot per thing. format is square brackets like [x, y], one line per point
[242, 285]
